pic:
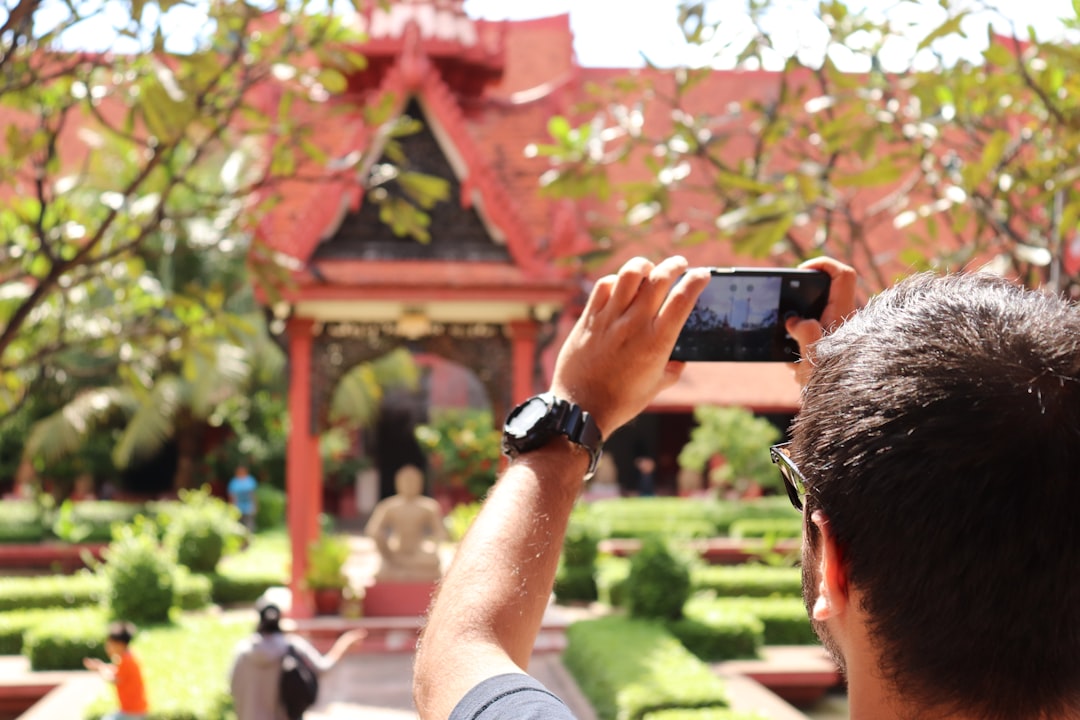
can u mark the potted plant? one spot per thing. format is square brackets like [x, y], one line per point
[326, 572]
[463, 450]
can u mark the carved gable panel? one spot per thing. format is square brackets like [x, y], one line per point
[457, 233]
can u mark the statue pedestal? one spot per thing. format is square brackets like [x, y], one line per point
[397, 599]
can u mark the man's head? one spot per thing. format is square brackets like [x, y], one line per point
[118, 637]
[940, 441]
[269, 617]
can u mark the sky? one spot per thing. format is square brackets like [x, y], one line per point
[619, 33]
[615, 33]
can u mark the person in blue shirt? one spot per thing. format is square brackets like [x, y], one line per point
[242, 495]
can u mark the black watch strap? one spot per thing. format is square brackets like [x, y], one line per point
[561, 418]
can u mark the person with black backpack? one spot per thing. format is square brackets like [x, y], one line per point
[275, 676]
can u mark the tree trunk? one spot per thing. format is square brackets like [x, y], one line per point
[189, 436]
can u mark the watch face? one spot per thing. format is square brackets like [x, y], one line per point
[526, 417]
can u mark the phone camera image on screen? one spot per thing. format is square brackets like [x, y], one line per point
[735, 317]
[739, 315]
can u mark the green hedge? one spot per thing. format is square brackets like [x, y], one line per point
[629, 668]
[85, 589]
[92, 521]
[784, 620]
[748, 580]
[759, 581]
[676, 517]
[232, 588]
[24, 521]
[703, 714]
[728, 512]
[61, 643]
[51, 591]
[245, 576]
[192, 592]
[774, 528]
[185, 668]
[21, 522]
[720, 633]
[642, 517]
[612, 574]
[15, 624]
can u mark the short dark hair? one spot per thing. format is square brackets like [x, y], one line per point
[121, 632]
[269, 617]
[940, 436]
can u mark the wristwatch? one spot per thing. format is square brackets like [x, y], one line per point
[535, 422]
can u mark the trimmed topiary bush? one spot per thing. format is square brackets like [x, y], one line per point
[628, 668]
[269, 507]
[576, 579]
[139, 575]
[659, 582]
[201, 529]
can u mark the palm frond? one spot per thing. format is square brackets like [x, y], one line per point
[153, 422]
[358, 394]
[356, 398]
[396, 369]
[56, 436]
[216, 374]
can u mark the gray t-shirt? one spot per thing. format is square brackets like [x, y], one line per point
[514, 696]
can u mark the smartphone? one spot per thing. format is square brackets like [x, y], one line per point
[740, 315]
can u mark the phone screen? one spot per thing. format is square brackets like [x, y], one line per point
[740, 315]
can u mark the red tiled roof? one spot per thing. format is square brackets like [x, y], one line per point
[762, 387]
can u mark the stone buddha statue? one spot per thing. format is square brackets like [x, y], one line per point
[407, 528]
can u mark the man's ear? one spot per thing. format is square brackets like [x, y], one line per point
[832, 589]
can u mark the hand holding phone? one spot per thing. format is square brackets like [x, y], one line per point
[741, 314]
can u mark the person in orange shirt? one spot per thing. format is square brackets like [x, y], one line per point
[124, 672]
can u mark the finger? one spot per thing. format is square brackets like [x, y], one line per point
[631, 275]
[679, 303]
[805, 331]
[654, 289]
[600, 295]
[843, 283]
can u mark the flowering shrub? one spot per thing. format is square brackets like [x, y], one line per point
[463, 448]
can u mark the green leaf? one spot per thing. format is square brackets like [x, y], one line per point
[334, 82]
[888, 171]
[998, 55]
[559, 129]
[950, 27]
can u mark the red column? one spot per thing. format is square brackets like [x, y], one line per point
[302, 463]
[523, 356]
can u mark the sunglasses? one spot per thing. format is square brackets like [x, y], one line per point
[794, 482]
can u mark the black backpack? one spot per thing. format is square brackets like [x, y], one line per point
[299, 684]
